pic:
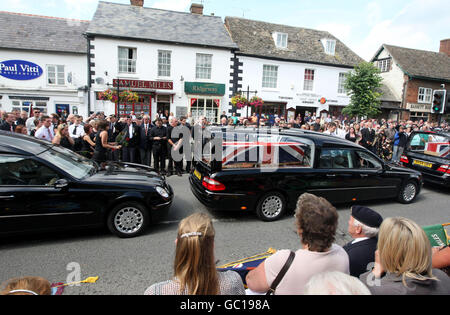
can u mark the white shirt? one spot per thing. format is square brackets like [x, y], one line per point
[130, 131]
[359, 239]
[45, 133]
[79, 131]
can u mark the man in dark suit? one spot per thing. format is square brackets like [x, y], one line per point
[8, 124]
[145, 144]
[115, 127]
[368, 137]
[158, 135]
[132, 136]
[363, 227]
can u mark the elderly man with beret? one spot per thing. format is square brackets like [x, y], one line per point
[363, 227]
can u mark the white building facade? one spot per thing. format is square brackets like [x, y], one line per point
[295, 71]
[184, 69]
[44, 70]
[295, 88]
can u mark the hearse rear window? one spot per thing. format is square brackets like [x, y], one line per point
[430, 144]
[268, 152]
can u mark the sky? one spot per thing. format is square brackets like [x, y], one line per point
[361, 25]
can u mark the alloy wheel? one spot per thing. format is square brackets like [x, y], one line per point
[128, 220]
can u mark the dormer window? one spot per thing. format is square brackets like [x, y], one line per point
[281, 40]
[329, 45]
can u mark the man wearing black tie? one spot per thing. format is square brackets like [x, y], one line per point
[145, 144]
[158, 135]
[115, 127]
[132, 136]
[368, 137]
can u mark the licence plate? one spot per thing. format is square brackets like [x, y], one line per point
[198, 175]
[422, 163]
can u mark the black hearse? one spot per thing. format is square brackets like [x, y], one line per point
[46, 187]
[429, 153]
[267, 170]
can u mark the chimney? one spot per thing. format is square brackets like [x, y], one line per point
[445, 47]
[138, 3]
[197, 8]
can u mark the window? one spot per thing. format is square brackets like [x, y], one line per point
[308, 84]
[425, 95]
[341, 84]
[430, 144]
[25, 106]
[127, 60]
[384, 65]
[164, 62]
[21, 171]
[335, 158]
[204, 66]
[270, 76]
[330, 46]
[55, 75]
[281, 40]
[205, 107]
[365, 160]
[264, 152]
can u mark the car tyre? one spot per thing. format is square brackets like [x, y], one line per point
[408, 192]
[128, 219]
[271, 207]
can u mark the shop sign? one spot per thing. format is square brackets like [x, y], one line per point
[139, 84]
[413, 107]
[204, 88]
[20, 70]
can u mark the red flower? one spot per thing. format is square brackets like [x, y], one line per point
[127, 139]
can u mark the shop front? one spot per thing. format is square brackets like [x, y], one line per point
[418, 111]
[205, 99]
[148, 92]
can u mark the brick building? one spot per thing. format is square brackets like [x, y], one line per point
[410, 77]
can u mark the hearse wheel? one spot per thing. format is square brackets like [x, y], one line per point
[128, 219]
[408, 192]
[271, 206]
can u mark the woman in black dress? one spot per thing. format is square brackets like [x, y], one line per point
[102, 145]
[87, 143]
[63, 138]
[351, 135]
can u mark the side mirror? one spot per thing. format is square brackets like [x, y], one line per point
[61, 183]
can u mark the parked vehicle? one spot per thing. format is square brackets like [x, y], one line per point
[429, 153]
[266, 173]
[46, 187]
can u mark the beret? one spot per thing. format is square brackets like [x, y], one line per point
[367, 216]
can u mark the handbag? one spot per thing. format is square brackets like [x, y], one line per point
[281, 274]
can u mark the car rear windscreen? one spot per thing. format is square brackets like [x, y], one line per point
[430, 144]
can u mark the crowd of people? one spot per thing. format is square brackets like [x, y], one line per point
[386, 256]
[139, 139]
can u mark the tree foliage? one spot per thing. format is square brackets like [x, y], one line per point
[363, 86]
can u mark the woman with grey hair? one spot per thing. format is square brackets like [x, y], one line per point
[335, 283]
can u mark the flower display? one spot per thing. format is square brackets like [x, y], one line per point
[239, 101]
[127, 96]
[256, 101]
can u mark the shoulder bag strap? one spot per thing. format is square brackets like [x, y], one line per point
[281, 274]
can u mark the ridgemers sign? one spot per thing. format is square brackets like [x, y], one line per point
[20, 70]
[138, 84]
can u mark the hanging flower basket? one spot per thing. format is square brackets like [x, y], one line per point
[256, 101]
[129, 96]
[239, 101]
[125, 96]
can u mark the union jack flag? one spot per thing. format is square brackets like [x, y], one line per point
[264, 152]
[441, 149]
